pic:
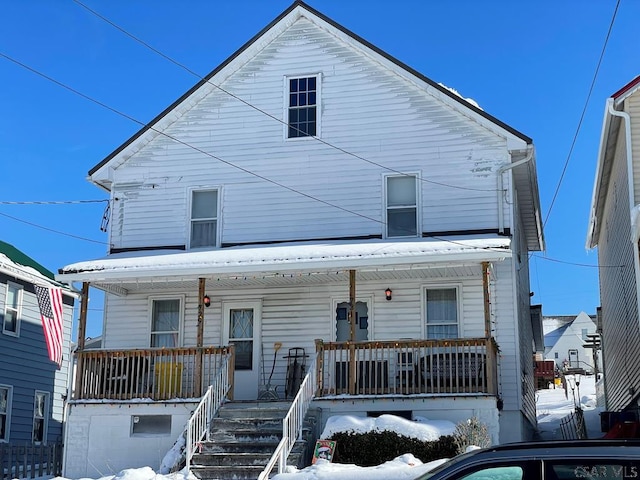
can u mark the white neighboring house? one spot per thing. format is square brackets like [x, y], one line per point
[346, 205]
[614, 227]
[564, 340]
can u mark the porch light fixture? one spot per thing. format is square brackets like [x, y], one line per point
[387, 293]
[206, 300]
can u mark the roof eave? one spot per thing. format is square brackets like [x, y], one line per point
[599, 189]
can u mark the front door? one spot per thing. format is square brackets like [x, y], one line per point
[343, 329]
[242, 322]
[574, 361]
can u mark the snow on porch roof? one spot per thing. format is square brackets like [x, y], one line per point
[289, 257]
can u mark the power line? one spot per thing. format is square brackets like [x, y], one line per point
[264, 112]
[575, 264]
[52, 230]
[62, 202]
[582, 115]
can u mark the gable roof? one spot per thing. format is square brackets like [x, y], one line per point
[296, 10]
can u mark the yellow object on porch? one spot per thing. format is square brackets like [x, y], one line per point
[168, 379]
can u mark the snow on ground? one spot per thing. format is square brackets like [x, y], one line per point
[552, 405]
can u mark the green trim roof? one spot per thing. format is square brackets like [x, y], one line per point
[20, 258]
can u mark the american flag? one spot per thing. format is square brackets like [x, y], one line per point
[50, 302]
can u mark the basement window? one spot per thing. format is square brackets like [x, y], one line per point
[150, 425]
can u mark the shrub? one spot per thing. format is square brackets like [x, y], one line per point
[374, 448]
[471, 433]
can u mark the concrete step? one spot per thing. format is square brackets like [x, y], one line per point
[245, 472]
[242, 440]
[240, 458]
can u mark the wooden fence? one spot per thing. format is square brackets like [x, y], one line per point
[30, 461]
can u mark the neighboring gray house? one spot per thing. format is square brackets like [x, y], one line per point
[614, 227]
[33, 389]
[355, 209]
[565, 338]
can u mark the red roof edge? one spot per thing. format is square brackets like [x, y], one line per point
[627, 87]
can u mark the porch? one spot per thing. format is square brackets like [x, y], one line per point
[397, 367]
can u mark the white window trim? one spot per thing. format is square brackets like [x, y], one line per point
[47, 407]
[181, 299]
[190, 192]
[9, 389]
[285, 114]
[459, 305]
[20, 300]
[417, 177]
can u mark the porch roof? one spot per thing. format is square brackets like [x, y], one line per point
[280, 259]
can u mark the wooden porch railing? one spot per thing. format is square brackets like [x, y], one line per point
[453, 366]
[156, 373]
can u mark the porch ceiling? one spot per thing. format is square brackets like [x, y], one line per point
[281, 265]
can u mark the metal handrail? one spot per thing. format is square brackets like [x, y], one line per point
[293, 422]
[199, 424]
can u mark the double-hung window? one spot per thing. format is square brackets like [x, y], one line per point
[402, 206]
[40, 416]
[5, 411]
[204, 218]
[12, 302]
[303, 107]
[441, 308]
[165, 322]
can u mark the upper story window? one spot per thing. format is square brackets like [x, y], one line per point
[302, 110]
[442, 312]
[5, 412]
[204, 218]
[40, 416]
[12, 302]
[165, 322]
[402, 206]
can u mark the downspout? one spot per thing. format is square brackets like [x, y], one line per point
[501, 171]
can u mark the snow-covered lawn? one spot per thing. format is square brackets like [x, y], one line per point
[552, 405]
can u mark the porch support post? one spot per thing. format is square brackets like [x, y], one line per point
[199, 337]
[352, 332]
[319, 366]
[487, 299]
[82, 332]
[352, 305]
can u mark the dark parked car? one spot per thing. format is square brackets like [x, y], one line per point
[552, 460]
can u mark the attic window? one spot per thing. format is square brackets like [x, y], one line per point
[302, 111]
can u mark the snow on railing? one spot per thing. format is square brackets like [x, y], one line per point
[199, 423]
[293, 422]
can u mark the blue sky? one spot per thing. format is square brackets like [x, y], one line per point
[530, 64]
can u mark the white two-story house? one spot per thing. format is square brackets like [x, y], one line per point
[313, 204]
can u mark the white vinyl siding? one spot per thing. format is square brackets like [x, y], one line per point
[620, 335]
[12, 309]
[367, 111]
[5, 412]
